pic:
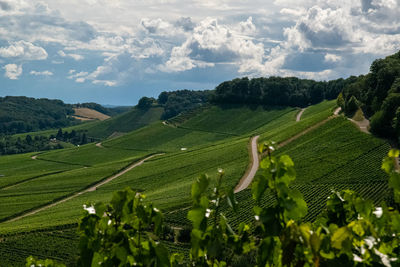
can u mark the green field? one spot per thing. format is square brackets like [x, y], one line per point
[211, 138]
[123, 123]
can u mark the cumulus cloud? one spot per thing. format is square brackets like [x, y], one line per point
[41, 73]
[23, 50]
[12, 71]
[211, 43]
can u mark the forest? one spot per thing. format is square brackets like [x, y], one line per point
[378, 95]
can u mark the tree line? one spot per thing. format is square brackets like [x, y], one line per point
[278, 91]
[378, 95]
[10, 145]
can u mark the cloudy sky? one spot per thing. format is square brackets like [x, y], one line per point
[115, 51]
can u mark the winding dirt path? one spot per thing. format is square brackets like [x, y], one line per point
[99, 145]
[298, 117]
[246, 180]
[34, 157]
[90, 189]
[251, 172]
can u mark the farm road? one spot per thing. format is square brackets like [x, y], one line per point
[247, 178]
[90, 189]
[249, 175]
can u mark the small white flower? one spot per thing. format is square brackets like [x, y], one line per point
[378, 212]
[357, 258]
[257, 217]
[370, 241]
[208, 212]
[90, 209]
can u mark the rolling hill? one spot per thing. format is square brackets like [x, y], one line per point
[211, 138]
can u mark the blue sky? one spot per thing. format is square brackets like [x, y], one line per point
[116, 51]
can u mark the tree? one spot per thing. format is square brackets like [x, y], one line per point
[351, 106]
[162, 98]
[28, 139]
[145, 103]
[59, 135]
[340, 101]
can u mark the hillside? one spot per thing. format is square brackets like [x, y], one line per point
[214, 137]
[85, 114]
[22, 114]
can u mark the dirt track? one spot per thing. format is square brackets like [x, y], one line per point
[246, 180]
[298, 117]
[90, 189]
[250, 173]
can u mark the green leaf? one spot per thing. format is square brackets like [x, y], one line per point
[258, 187]
[196, 216]
[232, 200]
[286, 160]
[199, 186]
[265, 163]
[394, 153]
[340, 237]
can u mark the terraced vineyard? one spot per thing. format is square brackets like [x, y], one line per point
[211, 138]
[334, 156]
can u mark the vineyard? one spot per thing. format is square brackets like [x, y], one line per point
[202, 142]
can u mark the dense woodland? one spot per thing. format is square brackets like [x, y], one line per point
[19, 114]
[278, 91]
[378, 95]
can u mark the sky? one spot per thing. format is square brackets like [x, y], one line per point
[116, 51]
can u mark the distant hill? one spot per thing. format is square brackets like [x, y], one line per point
[107, 110]
[19, 114]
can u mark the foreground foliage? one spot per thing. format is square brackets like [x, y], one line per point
[351, 232]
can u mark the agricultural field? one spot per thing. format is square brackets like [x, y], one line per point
[235, 120]
[122, 123]
[91, 154]
[335, 155]
[286, 126]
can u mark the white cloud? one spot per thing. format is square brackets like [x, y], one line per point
[83, 76]
[12, 71]
[71, 55]
[41, 73]
[23, 50]
[332, 58]
[212, 43]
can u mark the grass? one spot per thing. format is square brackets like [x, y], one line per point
[90, 155]
[17, 168]
[46, 189]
